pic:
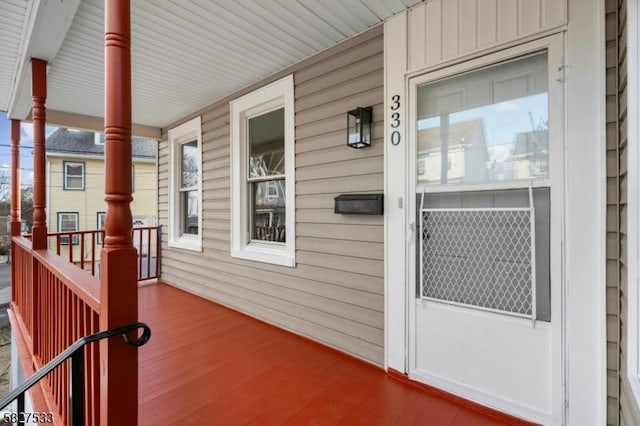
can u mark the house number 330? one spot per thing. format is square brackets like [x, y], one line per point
[395, 120]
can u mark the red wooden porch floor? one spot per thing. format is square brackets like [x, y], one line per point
[206, 365]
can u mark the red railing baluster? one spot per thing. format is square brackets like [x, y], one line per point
[70, 246]
[158, 249]
[148, 252]
[56, 302]
[82, 250]
[93, 253]
[148, 246]
[139, 250]
[57, 306]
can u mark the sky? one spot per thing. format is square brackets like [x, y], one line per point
[502, 121]
[26, 148]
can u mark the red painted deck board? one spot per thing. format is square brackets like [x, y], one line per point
[207, 364]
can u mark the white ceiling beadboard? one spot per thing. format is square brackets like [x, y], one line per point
[186, 54]
[12, 22]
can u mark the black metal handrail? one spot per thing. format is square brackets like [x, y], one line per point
[76, 353]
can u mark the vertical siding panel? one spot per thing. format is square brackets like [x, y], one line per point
[554, 13]
[417, 27]
[528, 16]
[449, 29]
[433, 32]
[468, 16]
[622, 408]
[507, 20]
[628, 407]
[487, 24]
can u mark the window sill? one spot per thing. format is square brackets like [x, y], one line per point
[265, 255]
[186, 244]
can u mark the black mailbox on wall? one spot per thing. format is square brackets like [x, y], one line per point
[359, 204]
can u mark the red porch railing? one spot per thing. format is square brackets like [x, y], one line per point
[82, 248]
[56, 303]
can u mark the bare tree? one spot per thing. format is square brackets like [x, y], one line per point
[5, 185]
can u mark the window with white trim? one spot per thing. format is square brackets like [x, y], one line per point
[68, 222]
[73, 175]
[262, 175]
[101, 217]
[185, 192]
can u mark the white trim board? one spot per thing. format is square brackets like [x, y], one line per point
[46, 28]
[395, 211]
[585, 216]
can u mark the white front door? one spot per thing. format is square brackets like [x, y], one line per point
[485, 197]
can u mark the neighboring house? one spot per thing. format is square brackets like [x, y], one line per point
[75, 183]
[503, 268]
[529, 155]
[466, 153]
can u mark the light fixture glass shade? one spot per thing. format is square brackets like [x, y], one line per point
[359, 127]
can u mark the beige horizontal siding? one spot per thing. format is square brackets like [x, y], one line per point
[335, 293]
[622, 408]
[612, 240]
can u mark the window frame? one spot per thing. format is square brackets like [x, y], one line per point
[98, 227]
[64, 241]
[65, 185]
[178, 136]
[279, 94]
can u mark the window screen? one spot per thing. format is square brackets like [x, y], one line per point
[452, 265]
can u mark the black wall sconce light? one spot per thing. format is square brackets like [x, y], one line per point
[359, 127]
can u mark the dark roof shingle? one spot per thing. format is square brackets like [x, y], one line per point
[83, 143]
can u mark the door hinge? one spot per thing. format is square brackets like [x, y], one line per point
[562, 73]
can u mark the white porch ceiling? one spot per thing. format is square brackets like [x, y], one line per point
[186, 54]
[12, 21]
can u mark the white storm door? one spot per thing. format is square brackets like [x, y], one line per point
[485, 178]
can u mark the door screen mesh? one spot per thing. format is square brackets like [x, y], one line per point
[480, 258]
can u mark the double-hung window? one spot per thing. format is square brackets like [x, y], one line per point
[68, 222]
[73, 175]
[185, 197]
[262, 175]
[101, 217]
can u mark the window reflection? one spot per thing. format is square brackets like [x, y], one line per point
[190, 211]
[269, 210]
[189, 203]
[266, 178]
[485, 126]
[189, 164]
